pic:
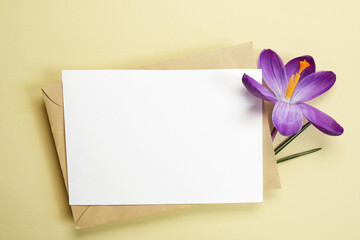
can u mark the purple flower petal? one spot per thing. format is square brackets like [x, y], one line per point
[312, 86]
[293, 66]
[287, 118]
[273, 71]
[257, 89]
[320, 120]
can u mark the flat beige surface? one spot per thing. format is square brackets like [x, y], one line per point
[320, 195]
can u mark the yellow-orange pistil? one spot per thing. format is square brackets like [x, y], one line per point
[295, 79]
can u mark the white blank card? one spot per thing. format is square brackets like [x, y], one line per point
[162, 137]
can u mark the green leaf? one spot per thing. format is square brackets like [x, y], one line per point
[289, 139]
[297, 155]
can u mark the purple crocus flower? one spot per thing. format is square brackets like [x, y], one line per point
[291, 86]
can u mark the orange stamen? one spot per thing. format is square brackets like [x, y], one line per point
[303, 65]
[292, 83]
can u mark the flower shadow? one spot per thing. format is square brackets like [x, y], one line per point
[254, 102]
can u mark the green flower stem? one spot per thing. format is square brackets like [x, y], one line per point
[289, 139]
[297, 155]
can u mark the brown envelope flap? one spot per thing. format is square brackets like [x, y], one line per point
[109, 213]
[52, 92]
[53, 101]
[238, 56]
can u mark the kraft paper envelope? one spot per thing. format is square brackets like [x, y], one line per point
[239, 56]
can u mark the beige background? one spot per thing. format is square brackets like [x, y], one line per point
[320, 195]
